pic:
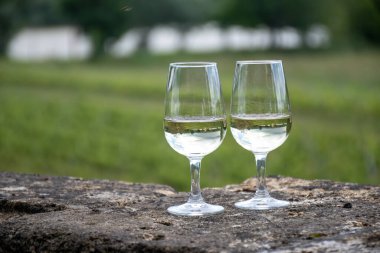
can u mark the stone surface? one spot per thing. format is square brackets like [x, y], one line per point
[64, 214]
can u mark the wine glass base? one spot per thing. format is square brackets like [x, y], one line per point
[261, 203]
[195, 209]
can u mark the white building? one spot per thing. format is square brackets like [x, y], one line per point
[204, 39]
[317, 36]
[164, 40]
[55, 43]
[242, 38]
[287, 38]
[127, 44]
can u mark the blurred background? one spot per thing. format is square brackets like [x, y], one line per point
[82, 84]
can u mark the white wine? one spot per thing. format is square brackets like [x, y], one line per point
[195, 136]
[260, 133]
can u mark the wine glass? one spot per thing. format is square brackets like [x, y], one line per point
[260, 119]
[195, 124]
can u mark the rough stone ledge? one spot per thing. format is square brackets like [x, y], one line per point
[65, 214]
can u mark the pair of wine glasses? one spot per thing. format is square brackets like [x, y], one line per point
[195, 122]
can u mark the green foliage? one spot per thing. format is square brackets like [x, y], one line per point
[273, 13]
[16, 14]
[351, 22]
[101, 19]
[145, 13]
[365, 20]
[104, 120]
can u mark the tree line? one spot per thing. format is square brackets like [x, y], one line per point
[352, 22]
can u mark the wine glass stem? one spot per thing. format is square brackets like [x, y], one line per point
[261, 190]
[195, 170]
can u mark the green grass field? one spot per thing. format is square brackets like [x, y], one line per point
[104, 120]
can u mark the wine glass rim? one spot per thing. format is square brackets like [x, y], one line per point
[259, 62]
[195, 64]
